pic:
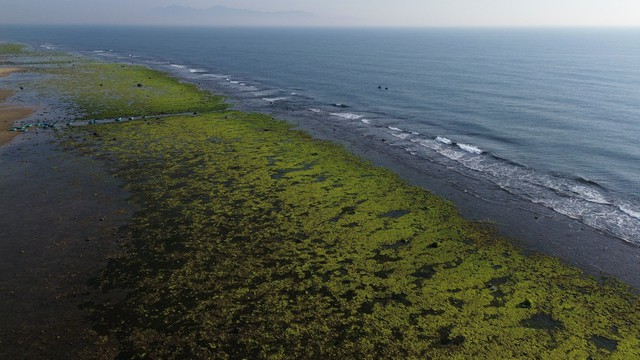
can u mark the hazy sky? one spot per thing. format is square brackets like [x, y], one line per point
[344, 12]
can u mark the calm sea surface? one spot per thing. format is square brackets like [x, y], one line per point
[552, 116]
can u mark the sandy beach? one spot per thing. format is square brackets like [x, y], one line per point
[10, 113]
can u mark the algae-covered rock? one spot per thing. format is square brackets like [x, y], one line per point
[240, 251]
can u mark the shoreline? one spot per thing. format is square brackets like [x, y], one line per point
[535, 228]
[360, 134]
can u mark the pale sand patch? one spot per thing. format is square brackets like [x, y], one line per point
[7, 71]
[9, 114]
[5, 94]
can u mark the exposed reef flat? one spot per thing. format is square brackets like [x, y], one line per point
[254, 240]
[59, 222]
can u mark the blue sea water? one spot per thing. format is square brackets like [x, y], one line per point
[549, 115]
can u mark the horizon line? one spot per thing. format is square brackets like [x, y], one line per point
[341, 26]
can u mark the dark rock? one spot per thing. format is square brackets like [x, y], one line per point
[445, 339]
[604, 343]
[425, 272]
[394, 214]
[542, 321]
[526, 304]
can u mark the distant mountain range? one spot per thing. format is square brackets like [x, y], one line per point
[227, 16]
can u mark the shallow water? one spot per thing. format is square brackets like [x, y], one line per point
[550, 116]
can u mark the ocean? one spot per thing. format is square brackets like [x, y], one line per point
[549, 116]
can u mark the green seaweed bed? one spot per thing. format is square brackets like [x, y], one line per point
[254, 240]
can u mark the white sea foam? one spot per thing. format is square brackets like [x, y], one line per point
[393, 128]
[470, 148]
[234, 82]
[451, 153]
[248, 88]
[178, 66]
[427, 143]
[274, 99]
[629, 210]
[348, 116]
[197, 70]
[591, 195]
[443, 140]
[314, 110]
[400, 135]
[589, 204]
[265, 92]
[366, 121]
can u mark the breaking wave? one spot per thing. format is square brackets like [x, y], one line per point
[348, 116]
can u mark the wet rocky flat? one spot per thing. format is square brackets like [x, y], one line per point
[59, 222]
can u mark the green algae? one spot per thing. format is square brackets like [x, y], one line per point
[331, 258]
[253, 240]
[11, 49]
[91, 90]
[103, 91]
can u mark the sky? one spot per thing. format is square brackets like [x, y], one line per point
[372, 13]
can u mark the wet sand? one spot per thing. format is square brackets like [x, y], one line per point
[61, 213]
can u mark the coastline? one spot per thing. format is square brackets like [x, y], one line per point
[535, 228]
[224, 226]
